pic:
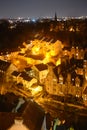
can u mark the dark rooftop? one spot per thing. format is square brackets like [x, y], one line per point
[4, 65]
[41, 67]
[31, 112]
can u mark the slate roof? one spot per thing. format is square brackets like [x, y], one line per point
[4, 65]
[28, 69]
[36, 57]
[41, 67]
[85, 91]
[33, 116]
[7, 119]
[55, 70]
[51, 64]
[31, 112]
[15, 73]
[25, 76]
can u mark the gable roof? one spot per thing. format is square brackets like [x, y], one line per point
[41, 67]
[31, 113]
[15, 73]
[25, 76]
[55, 70]
[6, 120]
[85, 91]
[33, 116]
[37, 57]
[4, 65]
[28, 69]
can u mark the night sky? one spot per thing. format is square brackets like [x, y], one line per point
[42, 8]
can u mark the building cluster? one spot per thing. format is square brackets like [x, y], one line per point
[42, 68]
[44, 65]
[71, 24]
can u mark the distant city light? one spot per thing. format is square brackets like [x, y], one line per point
[33, 20]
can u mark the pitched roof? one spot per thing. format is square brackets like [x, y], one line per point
[55, 70]
[32, 114]
[51, 64]
[41, 67]
[4, 65]
[25, 76]
[36, 57]
[28, 69]
[15, 73]
[85, 91]
[6, 120]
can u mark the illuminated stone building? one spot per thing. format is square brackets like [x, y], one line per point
[51, 82]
